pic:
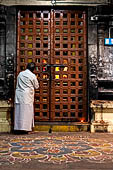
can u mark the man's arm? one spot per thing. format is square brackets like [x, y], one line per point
[36, 83]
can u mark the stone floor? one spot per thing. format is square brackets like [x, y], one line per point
[48, 151]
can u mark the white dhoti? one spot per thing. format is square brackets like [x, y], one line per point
[24, 117]
[24, 99]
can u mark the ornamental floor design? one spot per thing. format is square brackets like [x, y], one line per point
[54, 149]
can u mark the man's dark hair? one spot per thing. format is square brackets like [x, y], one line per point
[31, 66]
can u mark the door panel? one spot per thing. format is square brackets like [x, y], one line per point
[68, 43]
[56, 41]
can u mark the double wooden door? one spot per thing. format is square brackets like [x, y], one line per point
[55, 40]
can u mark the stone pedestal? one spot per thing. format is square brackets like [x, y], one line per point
[102, 111]
[6, 114]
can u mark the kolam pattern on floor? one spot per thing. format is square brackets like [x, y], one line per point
[54, 149]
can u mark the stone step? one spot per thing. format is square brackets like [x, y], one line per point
[61, 127]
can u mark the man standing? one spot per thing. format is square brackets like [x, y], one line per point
[24, 98]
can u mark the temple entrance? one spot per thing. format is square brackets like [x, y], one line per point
[56, 41]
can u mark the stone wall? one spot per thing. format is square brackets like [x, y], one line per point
[92, 55]
[10, 49]
[2, 48]
[7, 51]
[57, 2]
[7, 69]
[107, 73]
[6, 116]
[99, 57]
[102, 116]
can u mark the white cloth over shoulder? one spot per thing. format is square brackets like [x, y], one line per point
[26, 83]
[24, 99]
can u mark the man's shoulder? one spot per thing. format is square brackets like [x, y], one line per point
[27, 72]
[30, 73]
[21, 73]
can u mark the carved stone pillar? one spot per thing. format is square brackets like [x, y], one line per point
[7, 51]
[2, 48]
[100, 49]
[92, 56]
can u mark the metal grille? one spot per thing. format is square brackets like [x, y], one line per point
[56, 41]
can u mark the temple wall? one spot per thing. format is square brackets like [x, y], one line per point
[99, 56]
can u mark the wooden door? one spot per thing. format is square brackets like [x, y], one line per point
[55, 40]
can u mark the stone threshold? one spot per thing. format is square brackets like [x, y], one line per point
[62, 123]
[61, 126]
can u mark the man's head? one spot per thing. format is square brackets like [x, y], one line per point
[31, 66]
